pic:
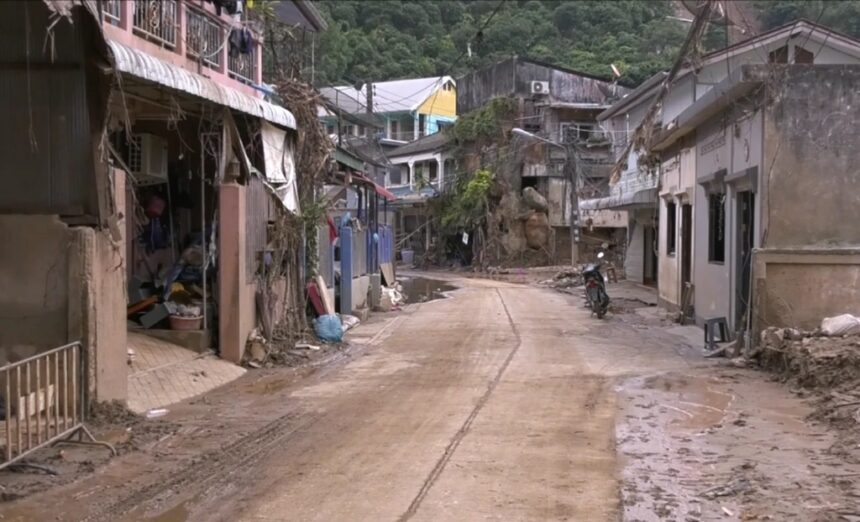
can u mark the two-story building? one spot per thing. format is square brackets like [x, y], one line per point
[726, 184]
[152, 164]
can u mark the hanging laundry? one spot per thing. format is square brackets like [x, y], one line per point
[241, 41]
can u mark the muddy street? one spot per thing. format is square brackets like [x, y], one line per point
[503, 401]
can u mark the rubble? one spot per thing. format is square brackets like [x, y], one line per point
[827, 367]
[564, 279]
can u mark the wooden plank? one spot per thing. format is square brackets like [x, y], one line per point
[327, 302]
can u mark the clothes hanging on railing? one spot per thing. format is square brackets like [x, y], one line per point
[241, 41]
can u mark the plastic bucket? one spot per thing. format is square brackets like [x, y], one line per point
[177, 322]
[408, 256]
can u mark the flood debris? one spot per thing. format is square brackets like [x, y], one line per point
[564, 280]
[819, 365]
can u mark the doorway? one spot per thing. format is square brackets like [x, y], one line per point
[687, 259]
[650, 262]
[746, 239]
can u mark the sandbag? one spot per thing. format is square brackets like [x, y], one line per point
[328, 328]
[845, 324]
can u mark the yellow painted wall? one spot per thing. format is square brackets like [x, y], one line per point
[442, 102]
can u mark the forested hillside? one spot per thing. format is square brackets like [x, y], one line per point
[386, 39]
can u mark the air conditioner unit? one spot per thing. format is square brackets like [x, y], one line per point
[540, 87]
[147, 159]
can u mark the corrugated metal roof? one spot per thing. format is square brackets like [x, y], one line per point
[391, 96]
[141, 65]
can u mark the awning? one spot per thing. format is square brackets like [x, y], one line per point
[641, 198]
[141, 65]
[382, 191]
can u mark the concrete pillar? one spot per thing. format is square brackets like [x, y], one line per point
[440, 171]
[411, 174]
[236, 314]
[415, 127]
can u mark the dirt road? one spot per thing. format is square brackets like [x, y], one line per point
[502, 402]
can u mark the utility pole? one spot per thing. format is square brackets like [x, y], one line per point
[572, 166]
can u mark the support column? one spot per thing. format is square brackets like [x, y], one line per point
[411, 174]
[235, 309]
[440, 172]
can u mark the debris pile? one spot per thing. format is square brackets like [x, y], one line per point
[565, 280]
[825, 362]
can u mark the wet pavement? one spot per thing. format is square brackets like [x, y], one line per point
[504, 402]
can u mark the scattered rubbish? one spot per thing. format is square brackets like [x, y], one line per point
[328, 328]
[151, 318]
[156, 413]
[255, 364]
[257, 351]
[568, 278]
[349, 322]
[307, 346]
[845, 324]
[728, 511]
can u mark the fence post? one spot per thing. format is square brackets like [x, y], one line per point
[346, 254]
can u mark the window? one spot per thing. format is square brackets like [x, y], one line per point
[577, 132]
[395, 130]
[716, 228]
[395, 175]
[671, 231]
[422, 124]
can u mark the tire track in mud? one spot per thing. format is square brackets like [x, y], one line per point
[209, 470]
[455, 441]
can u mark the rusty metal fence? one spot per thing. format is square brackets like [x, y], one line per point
[44, 399]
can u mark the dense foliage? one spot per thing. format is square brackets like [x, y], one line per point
[373, 39]
[387, 39]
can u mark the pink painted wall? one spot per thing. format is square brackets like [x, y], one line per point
[123, 34]
[237, 308]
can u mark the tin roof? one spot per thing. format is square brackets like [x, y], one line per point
[144, 66]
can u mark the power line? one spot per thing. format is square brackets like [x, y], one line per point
[462, 54]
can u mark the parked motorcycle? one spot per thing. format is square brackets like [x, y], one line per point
[595, 288]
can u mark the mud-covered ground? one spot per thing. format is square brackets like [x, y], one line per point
[503, 401]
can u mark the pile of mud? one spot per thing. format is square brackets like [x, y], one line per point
[827, 368]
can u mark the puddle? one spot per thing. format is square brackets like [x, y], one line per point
[700, 405]
[421, 289]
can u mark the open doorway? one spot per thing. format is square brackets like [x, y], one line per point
[686, 259]
[745, 238]
[650, 260]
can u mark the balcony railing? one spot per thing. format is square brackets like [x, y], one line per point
[156, 20]
[111, 10]
[243, 67]
[204, 38]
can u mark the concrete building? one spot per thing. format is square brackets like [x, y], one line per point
[633, 197]
[559, 106]
[137, 173]
[743, 143]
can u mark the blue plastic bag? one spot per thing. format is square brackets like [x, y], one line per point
[328, 328]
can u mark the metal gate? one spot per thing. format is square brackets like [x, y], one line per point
[44, 400]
